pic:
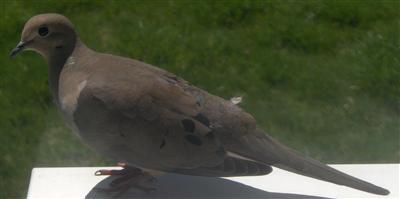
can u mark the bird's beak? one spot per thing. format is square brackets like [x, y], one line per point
[20, 46]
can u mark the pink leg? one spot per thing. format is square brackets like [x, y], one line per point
[128, 177]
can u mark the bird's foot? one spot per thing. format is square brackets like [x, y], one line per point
[128, 177]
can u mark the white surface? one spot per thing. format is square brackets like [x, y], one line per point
[77, 182]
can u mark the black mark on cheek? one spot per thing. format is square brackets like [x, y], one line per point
[193, 140]
[188, 125]
[59, 47]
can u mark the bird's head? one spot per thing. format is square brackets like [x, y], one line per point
[47, 34]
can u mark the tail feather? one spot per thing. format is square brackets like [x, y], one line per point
[278, 155]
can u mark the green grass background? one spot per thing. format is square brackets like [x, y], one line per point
[321, 76]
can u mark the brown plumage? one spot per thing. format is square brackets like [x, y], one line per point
[147, 117]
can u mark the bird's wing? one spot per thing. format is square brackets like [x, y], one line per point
[242, 135]
[172, 109]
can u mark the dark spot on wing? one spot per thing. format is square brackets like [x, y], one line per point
[202, 119]
[193, 140]
[162, 143]
[188, 125]
[210, 135]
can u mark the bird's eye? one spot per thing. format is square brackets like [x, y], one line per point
[43, 31]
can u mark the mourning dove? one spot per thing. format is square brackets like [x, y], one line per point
[149, 118]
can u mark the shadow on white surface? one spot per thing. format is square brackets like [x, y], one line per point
[180, 186]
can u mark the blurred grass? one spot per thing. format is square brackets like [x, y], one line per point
[321, 76]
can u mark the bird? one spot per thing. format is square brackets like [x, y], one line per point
[152, 120]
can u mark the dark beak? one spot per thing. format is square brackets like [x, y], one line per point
[17, 49]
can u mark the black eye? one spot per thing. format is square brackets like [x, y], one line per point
[43, 31]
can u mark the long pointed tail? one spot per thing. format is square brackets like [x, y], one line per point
[290, 160]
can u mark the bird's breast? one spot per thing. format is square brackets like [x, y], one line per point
[71, 85]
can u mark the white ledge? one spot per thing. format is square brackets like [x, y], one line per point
[79, 183]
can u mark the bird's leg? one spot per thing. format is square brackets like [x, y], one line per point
[128, 177]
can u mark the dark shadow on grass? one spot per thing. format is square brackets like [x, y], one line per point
[180, 186]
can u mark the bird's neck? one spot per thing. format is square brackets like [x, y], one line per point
[57, 62]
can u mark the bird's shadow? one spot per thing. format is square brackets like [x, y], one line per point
[181, 186]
